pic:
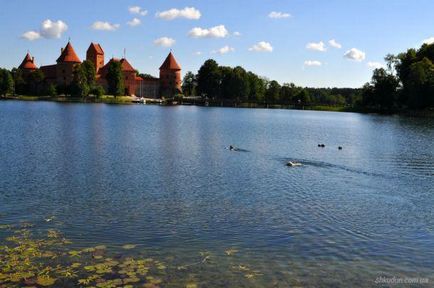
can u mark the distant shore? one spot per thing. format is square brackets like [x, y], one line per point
[128, 100]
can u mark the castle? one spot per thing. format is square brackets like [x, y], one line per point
[61, 73]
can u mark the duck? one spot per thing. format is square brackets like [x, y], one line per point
[231, 147]
[340, 148]
[293, 164]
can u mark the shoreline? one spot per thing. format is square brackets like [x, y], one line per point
[128, 100]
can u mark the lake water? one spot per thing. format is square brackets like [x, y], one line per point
[163, 180]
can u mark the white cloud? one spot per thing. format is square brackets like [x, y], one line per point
[105, 26]
[49, 30]
[31, 35]
[278, 15]
[312, 63]
[237, 34]
[262, 47]
[134, 22]
[137, 10]
[198, 53]
[320, 46]
[224, 50]
[53, 29]
[164, 42]
[214, 32]
[335, 44]
[355, 54]
[187, 13]
[428, 41]
[375, 65]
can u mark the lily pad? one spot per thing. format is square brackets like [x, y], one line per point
[45, 280]
[129, 246]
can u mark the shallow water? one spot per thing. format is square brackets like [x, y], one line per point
[163, 179]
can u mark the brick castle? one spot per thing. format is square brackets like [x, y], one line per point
[61, 73]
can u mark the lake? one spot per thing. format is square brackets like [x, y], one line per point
[160, 184]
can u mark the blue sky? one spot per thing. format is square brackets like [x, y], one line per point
[285, 45]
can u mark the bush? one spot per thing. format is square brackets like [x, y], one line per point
[97, 91]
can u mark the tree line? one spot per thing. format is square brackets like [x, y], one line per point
[237, 85]
[408, 81]
[84, 84]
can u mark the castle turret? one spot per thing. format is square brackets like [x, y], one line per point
[28, 64]
[170, 77]
[65, 65]
[95, 54]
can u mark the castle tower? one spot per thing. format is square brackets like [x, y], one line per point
[95, 54]
[65, 65]
[170, 77]
[28, 64]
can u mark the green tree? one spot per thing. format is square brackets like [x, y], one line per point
[51, 90]
[273, 92]
[385, 88]
[115, 79]
[79, 85]
[287, 93]
[6, 82]
[303, 97]
[89, 72]
[420, 84]
[208, 79]
[257, 87]
[19, 81]
[35, 82]
[97, 91]
[189, 84]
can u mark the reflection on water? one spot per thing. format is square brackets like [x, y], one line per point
[162, 180]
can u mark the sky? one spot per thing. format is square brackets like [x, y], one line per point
[333, 43]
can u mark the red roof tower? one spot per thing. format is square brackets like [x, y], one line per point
[28, 63]
[68, 55]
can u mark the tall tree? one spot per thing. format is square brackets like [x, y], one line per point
[208, 79]
[80, 85]
[189, 84]
[257, 87]
[115, 79]
[6, 82]
[35, 82]
[273, 92]
[89, 72]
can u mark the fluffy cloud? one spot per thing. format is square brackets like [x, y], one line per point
[53, 29]
[262, 47]
[137, 10]
[214, 32]
[104, 26]
[49, 30]
[31, 35]
[278, 15]
[198, 53]
[355, 54]
[237, 34]
[164, 42]
[320, 46]
[224, 50]
[312, 63]
[429, 41]
[375, 65]
[187, 13]
[335, 44]
[134, 22]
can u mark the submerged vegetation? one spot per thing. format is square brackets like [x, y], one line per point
[47, 259]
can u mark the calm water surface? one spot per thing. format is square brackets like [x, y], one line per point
[162, 178]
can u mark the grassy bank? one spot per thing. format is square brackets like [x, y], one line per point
[103, 99]
[107, 99]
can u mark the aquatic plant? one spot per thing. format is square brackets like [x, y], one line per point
[47, 260]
